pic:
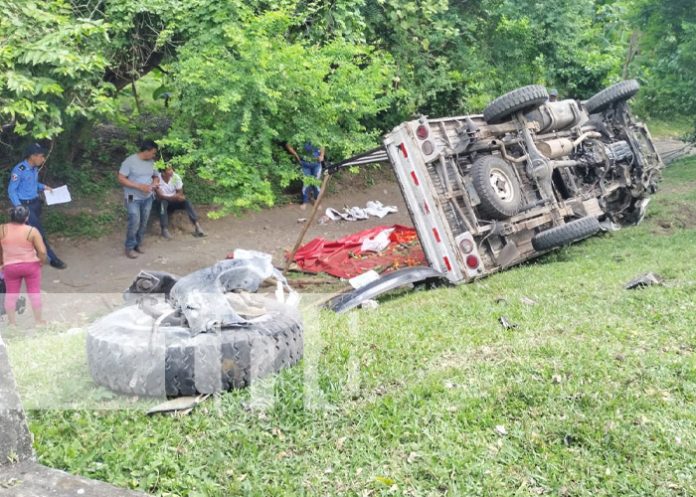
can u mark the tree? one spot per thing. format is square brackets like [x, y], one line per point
[667, 59]
[51, 65]
[242, 88]
[455, 57]
[243, 77]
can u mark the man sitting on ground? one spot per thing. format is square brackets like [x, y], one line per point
[170, 196]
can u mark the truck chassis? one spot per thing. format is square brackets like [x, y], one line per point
[489, 191]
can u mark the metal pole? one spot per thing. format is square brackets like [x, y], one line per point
[315, 209]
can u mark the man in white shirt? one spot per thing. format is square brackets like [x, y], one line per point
[170, 196]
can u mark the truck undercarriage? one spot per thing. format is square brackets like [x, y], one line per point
[489, 191]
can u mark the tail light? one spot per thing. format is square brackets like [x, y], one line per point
[472, 261]
[466, 245]
[427, 144]
[422, 132]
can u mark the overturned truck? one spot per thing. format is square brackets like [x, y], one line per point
[489, 191]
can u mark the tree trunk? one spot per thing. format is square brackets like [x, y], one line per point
[631, 52]
[135, 96]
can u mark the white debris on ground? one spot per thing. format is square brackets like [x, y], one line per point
[377, 243]
[373, 208]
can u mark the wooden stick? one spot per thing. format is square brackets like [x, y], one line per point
[315, 209]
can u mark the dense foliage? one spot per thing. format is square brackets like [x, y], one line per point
[668, 57]
[238, 79]
[51, 65]
[243, 89]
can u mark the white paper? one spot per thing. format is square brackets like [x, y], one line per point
[59, 195]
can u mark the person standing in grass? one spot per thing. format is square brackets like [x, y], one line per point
[22, 251]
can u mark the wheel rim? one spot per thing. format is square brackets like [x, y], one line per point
[502, 185]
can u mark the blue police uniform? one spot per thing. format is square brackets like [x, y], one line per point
[24, 183]
[24, 189]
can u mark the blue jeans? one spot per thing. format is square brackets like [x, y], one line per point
[312, 169]
[138, 214]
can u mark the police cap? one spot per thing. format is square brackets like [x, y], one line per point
[34, 148]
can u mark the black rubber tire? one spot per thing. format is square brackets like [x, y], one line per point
[124, 357]
[492, 205]
[565, 234]
[517, 100]
[608, 96]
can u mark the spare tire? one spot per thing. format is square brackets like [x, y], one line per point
[615, 93]
[565, 234]
[517, 100]
[496, 184]
[125, 355]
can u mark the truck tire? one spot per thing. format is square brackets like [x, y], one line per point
[497, 187]
[125, 356]
[515, 101]
[615, 93]
[565, 234]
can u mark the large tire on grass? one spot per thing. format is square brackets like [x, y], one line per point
[517, 100]
[125, 355]
[615, 93]
[497, 187]
[565, 234]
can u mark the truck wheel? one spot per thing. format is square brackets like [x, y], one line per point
[565, 234]
[497, 187]
[125, 355]
[515, 101]
[615, 93]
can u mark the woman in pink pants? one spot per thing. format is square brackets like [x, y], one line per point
[23, 251]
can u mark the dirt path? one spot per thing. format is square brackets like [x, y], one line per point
[99, 266]
[671, 149]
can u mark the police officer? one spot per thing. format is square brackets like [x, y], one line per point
[24, 189]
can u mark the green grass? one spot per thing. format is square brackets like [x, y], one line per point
[84, 224]
[591, 395]
[677, 128]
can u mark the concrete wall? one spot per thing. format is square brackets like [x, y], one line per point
[15, 440]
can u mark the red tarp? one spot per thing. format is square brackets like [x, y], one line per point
[344, 258]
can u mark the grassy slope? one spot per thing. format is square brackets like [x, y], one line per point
[676, 128]
[594, 390]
